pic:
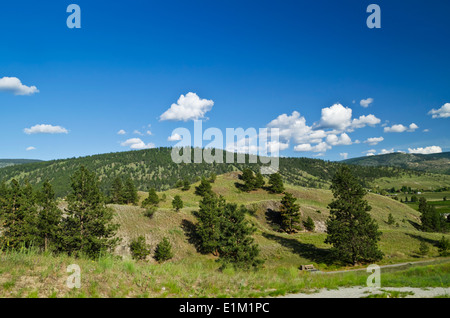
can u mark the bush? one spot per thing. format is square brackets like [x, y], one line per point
[139, 249]
[444, 247]
[309, 224]
[150, 212]
[163, 251]
[424, 249]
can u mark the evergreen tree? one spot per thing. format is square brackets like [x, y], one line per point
[186, 185]
[19, 216]
[350, 228]
[204, 188]
[432, 220]
[139, 248]
[177, 203]
[290, 215]
[444, 247]
[309, 224]
[117, 191]
[212, 177]
[208, 225]
[236, 245]
[49, 217]
[152, 199]
[391, 219]
[249, 180]
[424, 249]
[259, 181]
[163, 251]
[130, 195]
[88, 227]
[276, 183]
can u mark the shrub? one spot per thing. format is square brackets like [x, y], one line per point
[163, 251]
[150, 212]
[139, 249]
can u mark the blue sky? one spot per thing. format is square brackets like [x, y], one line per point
[313, 61]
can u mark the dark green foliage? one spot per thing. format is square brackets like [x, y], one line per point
[391, 219]
[130, 195]
[276, 183]
[432, 220]
[88, 227]
[179, 184]
[139, 248]
[309, 224]
[290, 214]
[177, 203]
[18, 213]
[444, 247]
[212, 177]
[424, 249]
[236, 246]
[163, 251]
[152, 199]
[49, 218]
[117, 191]
[259, 181]
[414, 198]
[186, 185]
[249, 180]
[204, 188]
[350, 228]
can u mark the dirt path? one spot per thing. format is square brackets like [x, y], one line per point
[359, 292]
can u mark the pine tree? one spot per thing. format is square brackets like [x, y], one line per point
[186, 185]
[236, 245]
[208, 225]
[309, 224]
[163, 251]
[152, 199]
[139, 248]
[49, 217]
[424, 249]
[204, 188]
[444, 247]
[276, 183]
[432, 220]
[19, 215]
[290, 215]
[391, 219]
[117, 191]
[88, 227]
[350, 228]
[130, 195]
[259, 181]
[177, 203]
[212, 177]
[249, 180]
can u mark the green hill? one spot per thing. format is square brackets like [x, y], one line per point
[12, 162]
[435, 163]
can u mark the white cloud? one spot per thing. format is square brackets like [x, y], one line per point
[15, 86]
[443, 112]
[174, 137]
[344, 155]
[334, 140]
[370, 152]
[337, 117]
[426, 130]
[426, 150]
[45, 129]
[121, 132]
[149, 133]
[363, 121]
[400, 128]
[189, 107]
[30, 148]
[374, 140]
[320, 147]
[366, 102]
[137, 132]
[387, 151]
[136, 143]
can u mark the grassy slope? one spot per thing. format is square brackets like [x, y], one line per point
[193, 274]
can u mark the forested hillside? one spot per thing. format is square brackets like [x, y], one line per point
[12, 162]
[154, 168]
[435, 163]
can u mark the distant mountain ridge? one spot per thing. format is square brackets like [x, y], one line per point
[12, 162]
[435, 163]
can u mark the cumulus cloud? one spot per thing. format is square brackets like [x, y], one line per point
[174, 137]
[45, 129]
[334, 140]
[443, 112]
[426, 150]
[188, 107]
[363, 121]
[30, 148]
[400, 128]
[121, 132]
[15, 86]
[137, 143]
[320, 147]
[366, 102]
[370, 152]
[344, 155]
[386, 151]
[374, 141]
[337, 117]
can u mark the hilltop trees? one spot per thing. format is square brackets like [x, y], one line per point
[432, 220]
[88, 227]
[152, 199]
[123, 194]
[350, 228]
[276, 183]
[290, 215]
[203, 188]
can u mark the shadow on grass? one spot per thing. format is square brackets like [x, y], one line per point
[189, 230]
[308, 251]
[416, 225]
[274, 219]
[424, 239]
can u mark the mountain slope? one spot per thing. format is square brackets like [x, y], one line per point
[435, 163]
[12, 162]
[155, 168]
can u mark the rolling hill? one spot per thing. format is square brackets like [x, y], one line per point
[435, 163]
[12, 162]
[155, 168]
